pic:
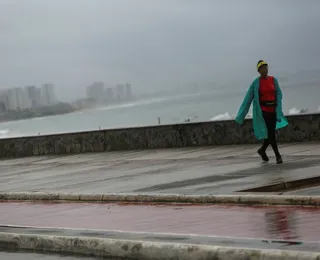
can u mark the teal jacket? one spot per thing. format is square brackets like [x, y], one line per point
[252, 96]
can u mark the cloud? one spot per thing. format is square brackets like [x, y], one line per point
[153, 44]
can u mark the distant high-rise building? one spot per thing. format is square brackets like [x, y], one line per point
[25, 102]
[17, 99]
[110, 94]
[128, 91]
[96, 91]
[4, 100]
[120, 88]
[47, 95]
[34, 94]
[11, 100]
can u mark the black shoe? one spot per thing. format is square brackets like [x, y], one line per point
[263, 155]
[279, 160]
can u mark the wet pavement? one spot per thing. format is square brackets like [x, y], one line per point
[236, 222]
[211, 170]
[312, 191]
[202, 171]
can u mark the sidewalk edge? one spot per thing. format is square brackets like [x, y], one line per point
[128, 249]
[164, 198]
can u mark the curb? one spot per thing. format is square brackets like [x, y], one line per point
[160, 198]
[286, 186]
[128, 249]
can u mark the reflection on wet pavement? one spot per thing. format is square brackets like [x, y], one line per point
[270, 223]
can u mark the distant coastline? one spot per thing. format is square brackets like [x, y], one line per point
[45, 111]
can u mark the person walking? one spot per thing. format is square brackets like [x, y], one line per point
[266, 96]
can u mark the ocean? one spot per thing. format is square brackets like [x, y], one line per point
[203, 106]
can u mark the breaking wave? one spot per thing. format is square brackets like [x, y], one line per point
[224, 116]
[292, 111]
[144, 102]
[4, 133]
[297, 111]
[7, 133]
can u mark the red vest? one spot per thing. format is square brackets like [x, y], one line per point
[267, 93]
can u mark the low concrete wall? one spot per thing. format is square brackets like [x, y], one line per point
[301, 128]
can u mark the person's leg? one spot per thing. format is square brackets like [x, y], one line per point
[272, 136]
[262, 150]
[266, 142]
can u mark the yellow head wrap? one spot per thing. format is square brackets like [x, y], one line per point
[261, 63]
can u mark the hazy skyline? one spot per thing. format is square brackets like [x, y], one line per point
[158, 44]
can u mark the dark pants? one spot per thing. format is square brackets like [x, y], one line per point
[271, 121]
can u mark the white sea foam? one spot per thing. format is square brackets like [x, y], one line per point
[292, 111]
[134, 104]
[227, 116]
[224, 116]
[7, 133]
[148, 101]
[297, 111]
[4, 133]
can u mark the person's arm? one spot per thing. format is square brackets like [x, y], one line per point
[279, 100]
[245, 106]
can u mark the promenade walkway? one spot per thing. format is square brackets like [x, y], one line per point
[211, 170]
[194, 171]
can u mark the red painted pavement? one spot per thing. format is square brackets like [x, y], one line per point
[217, 220]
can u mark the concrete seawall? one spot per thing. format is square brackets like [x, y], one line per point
[302, 128]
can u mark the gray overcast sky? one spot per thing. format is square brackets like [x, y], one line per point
[154, 44]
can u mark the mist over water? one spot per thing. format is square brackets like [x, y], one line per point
[205, 106]
[193, 59]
